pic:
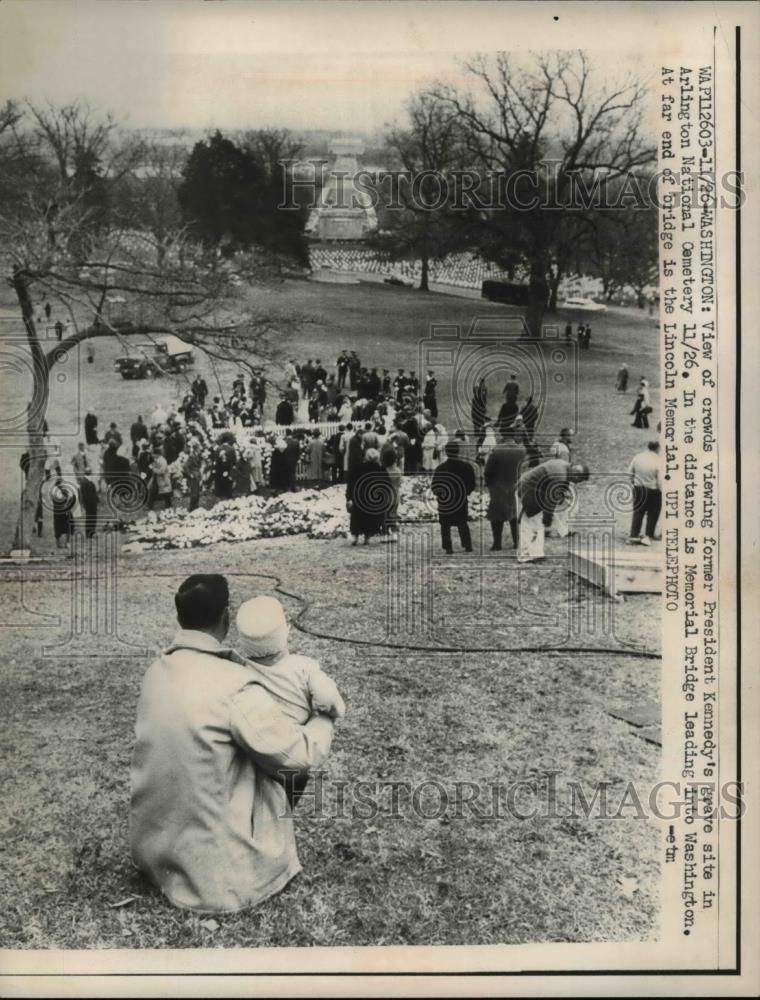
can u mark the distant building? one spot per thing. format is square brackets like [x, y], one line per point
[345, 211]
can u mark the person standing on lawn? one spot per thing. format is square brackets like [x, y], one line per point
[278, 467]
[193, 473]
[452, 483]
[389, 461]
[645, 471]
[316, 457]
[209, 820]
[80, 462]
[543, 490]
[199, 389]
[160, 487]
[91, 428]
[369, 497]
[641, 408]
[292, 458]
[88, 501]
[63, 498]
[284, 415]
[138, 432]
[478, 409]
[562, 446]
[502, 470]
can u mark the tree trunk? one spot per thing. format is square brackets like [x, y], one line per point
[538, 294]
[424, 286]
[35, 420]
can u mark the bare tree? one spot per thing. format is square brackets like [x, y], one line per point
[538, 127]
[145, 196]
[49, 247]
[428, 150]
[72, 134]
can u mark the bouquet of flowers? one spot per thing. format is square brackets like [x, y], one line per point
[315, 513]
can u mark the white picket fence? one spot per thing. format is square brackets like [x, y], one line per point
[325, 428]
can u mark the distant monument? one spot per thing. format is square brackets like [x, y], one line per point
[345, 211]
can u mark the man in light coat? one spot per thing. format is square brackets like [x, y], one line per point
[209, 819]
[542, 490]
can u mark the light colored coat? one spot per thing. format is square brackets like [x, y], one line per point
[300, 687]
[209, 824]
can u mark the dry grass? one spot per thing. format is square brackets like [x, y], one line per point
[490, 717]
[370, 878]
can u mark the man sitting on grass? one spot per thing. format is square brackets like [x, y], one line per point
[209, 820]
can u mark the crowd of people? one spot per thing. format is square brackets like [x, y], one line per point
[360, 426]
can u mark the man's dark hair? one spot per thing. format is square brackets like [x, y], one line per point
[202, 600]
[452, 449]
[653, 445]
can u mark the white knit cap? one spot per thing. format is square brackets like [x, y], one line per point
[262, 627]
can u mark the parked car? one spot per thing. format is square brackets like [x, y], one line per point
[167, 355]
[137, 366]
[173, 354]
[588, 305]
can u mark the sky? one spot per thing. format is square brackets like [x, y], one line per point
[236, 64]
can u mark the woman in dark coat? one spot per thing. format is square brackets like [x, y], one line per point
[279, 472]
[224, 467]
[63, 498]
[88, 501]
[369, 497]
